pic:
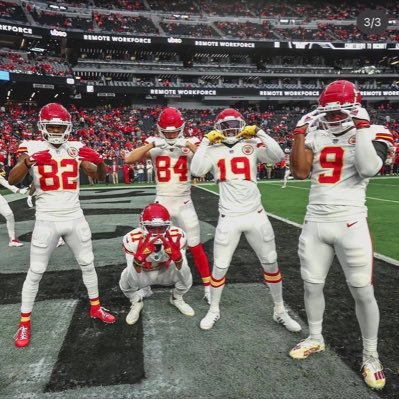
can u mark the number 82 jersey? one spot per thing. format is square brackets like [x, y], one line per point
[56, 184]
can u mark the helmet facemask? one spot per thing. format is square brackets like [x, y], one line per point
[55, 132]
[155, 227]
[170, 134]
[335, 121]
[230, 128]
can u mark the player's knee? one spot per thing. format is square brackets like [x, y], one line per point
[359, 280]
[218, 272]
[9, 215]
[269, 259]
[311, 278]
[363, 295]
[313, 289]
[86, 260]
[34, 275]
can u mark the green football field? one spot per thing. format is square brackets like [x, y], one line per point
[382, 201]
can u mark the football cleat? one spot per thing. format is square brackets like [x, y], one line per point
[22, 336]
[102, 314]
[305, 348]
[210, 319]
[207, 294]
[134, 313]
[373, 374]
[183, 307]
[15, 243]
[286, 320]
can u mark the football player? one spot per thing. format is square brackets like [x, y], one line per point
[155, 254]
[171, 154]
[342, 153]
[54, 166]
[287, 172]
[232, 151]
[5, 209]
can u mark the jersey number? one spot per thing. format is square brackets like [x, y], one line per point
[50, 180]
[163, 169]
[331, 158]
[238, 166]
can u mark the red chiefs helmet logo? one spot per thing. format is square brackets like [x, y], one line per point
[247, 149]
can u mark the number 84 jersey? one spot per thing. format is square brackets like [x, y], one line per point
[57, 184]
[172, 169]
[337, 190]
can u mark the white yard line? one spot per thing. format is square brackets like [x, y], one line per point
[387, 259]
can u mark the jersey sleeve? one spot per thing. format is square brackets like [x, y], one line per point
[309, 140]
[382, 134]
[194, 140]
[130, 242]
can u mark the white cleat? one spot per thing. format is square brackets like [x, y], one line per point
[307, 347]
[207, 294]
[183, 307]
[373, 374]
[15, 243]
[210, 319]
[134, 313]
[286, 320]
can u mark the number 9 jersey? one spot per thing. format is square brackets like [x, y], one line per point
[57, 184]
[338, 191]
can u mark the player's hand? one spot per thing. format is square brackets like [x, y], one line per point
[157, 142]
[29, 201]
[39, 158]
[248, 132]
[360, 117]
[180, 142]
[146, 247]
[215, 136]
[23, 191]
[87, 154]
[307, 121]
[172, 248]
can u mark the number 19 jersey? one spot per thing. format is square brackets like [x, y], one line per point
[56, 184]
[172, 169]
[337, 190]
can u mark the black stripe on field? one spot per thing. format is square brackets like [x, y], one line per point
[340, 327]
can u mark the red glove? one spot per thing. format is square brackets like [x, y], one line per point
[87, 154]
[39, 158]
[172, 248]
[360, 117]
[146, 247]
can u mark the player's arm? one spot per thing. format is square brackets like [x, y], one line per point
[201, 164]
[301, 158]
[20, 170]
[138, 154]
[192, 147]
[92, 163]
[5, 184]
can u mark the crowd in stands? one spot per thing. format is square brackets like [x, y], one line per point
[12, 12]
[124, 24]
[113, 131]
[183, 29]
[247, 30]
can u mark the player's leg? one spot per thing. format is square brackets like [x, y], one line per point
[227, 236]
[260, 235]
[355, 253]
[44, 241]
[78, 238]
[187, 219]
[135, 287]
[314, 270]
[183, 280]
[286, 175]
[6, 211]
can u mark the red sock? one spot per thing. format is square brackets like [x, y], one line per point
[201, 263]
[95, 303]
[25, 318]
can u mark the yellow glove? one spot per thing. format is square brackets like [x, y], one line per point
[248, 132]
[215, 136]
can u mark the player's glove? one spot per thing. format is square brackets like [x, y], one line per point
[39, 158]
[87, 154]
[29, 201]
[360, 117]
[307, 121]
[180, 142]
[172, 248]
[23, 191]
[157, 142]
[248, 132]
[146, 247]
[214, 136]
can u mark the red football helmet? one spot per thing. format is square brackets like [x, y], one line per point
[230, 122]
[56, 116]
[337, 96]
[155, 220]
[170, 125]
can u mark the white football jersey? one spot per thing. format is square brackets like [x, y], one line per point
[172, 169]
[235, 169]
[337, 190]
[57, 184]
[155, 260]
